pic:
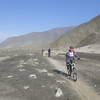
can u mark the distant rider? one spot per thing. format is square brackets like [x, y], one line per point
[49, 52]
[42, 51]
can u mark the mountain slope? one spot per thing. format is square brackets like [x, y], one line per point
[34, 39]
[84, 34]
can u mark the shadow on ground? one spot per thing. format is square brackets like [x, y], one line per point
[60, 72]
[63, 74]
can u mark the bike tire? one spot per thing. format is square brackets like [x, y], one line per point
[74, 75]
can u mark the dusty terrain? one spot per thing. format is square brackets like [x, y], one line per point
[31, 76]
[88, 68]
[93, 48]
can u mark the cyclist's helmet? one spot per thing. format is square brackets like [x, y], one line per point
[71, 47]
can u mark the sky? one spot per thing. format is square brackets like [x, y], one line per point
[19, 17]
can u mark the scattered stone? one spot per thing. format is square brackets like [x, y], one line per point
[60, 81]
[10, 76]
[50, 74]
[95, 85]
[21, 70]
[58, 92]
[42, 70]
[33, 76]
[22, 62]
[35, 59]
[37, 63]
[43, 86]
[20, 66]
[26, 87]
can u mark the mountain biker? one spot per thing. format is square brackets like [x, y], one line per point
[42, 51]
[49, 52]
[70, 57]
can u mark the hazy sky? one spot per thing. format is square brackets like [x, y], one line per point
[24, 16]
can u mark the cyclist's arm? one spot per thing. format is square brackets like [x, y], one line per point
[77, 56]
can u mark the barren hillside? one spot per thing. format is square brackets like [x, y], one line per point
[84, 34]
[35, 39]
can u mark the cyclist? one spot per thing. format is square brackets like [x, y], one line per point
[43, 51]
[49, 52]
[70, 57]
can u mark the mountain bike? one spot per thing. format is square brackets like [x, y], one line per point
[72, 71]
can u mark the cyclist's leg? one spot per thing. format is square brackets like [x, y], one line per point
[67, 63]
[68, 66]
[74, 60]
[69, 69]
[71, 61]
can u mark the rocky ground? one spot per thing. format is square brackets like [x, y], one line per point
[88, 68]
[31, 76]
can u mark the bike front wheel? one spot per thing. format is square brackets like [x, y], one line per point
[74, 75]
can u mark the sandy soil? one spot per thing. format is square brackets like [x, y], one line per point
[35, 77]
[32, 77]
[94, 48]
[84, 90]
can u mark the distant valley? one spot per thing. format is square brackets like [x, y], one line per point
[35, 40]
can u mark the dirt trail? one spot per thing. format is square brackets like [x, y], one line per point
[84, 91]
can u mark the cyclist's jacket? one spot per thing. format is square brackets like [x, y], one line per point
[70, 55]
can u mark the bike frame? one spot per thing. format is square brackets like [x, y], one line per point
[72, 71]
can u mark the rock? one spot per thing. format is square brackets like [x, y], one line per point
[21, 70]
[58, 93]
[50, 74]
[37, 63]
[95, 85]
[60, 81]
[43, 86]
[35, 59]
[33, 76]
[10, 76]
[20, 66]
[42, 70]
[22, 62]
[26, 87]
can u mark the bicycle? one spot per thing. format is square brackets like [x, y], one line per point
[72, 72]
